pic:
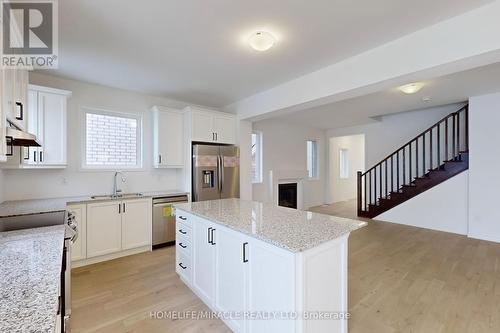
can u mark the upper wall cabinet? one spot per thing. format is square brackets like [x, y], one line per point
[13, 92]
[46, 118]
[212, 126]
[14, 89]
[168, 137]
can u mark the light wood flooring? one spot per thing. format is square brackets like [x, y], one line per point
[401, 279]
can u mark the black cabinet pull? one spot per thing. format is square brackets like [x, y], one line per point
[183, 218]
[245, 252]
[182, 245]
[216, 136]
[124, 207]
[182, 231]
[21, 111]
[119, 208]
[182, 266]
[213, 242]
[209, 234]
[159, 159]
[41, 156]
[34, 156]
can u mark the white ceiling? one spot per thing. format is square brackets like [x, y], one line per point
[193, 51]
[444, 90]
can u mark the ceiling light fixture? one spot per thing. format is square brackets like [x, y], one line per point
[261, 41]
[411, 88]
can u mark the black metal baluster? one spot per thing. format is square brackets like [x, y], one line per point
[458, 136]
[453, 139]
[446, 153]
[410, 163]
[404, 165]
[416, 157]
[397, 167]
[466, 115]
[366, 199]
[386, 188]
[439, 145]
[431, 150]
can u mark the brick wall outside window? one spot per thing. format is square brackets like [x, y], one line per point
[111, 141]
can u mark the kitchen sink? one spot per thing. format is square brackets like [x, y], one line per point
[118, 196]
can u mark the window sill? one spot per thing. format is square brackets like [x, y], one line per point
[111, 169]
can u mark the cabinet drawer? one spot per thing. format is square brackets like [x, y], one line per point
[183, 266]
[182, 217]
[183, 245]
[183, 231]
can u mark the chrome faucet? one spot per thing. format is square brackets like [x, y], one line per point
[115, 184]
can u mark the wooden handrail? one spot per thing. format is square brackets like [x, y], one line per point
[417, 137]
[384, 178]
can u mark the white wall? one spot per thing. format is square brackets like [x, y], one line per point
[346, 189]
[244, 130]
[443, 207]
[2, 187]
[484, 164]
[25, 184]
[284, 149]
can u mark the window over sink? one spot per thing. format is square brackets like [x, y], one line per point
[111, 140]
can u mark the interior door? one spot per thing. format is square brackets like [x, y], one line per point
[204, 261]
[205, 170]
[230, 291]
[230, 175]
[52, 113]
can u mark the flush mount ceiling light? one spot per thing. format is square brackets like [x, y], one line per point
[411, 88]
[261, 41]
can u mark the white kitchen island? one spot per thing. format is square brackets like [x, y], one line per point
[264, 268]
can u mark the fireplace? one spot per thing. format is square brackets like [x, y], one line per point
[287, 195]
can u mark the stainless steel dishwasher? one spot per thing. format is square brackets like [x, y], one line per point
[164, 219]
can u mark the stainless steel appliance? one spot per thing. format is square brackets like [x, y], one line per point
[164, 219]
[48, 219]
[215, 172]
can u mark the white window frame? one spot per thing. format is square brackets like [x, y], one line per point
[258, 134]
[132, 115]
[343, 163]
[315, 163]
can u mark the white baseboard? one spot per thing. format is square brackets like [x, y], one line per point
[95, 260]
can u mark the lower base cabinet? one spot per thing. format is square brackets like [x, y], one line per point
[262, 288]
[109, 228]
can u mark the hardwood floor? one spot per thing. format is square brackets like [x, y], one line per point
[401, 279]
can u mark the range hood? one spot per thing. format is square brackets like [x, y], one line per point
[17, 137]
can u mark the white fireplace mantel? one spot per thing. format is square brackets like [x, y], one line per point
[277, 177]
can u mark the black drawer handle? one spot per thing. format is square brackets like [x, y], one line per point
[183, 218]
[245, 252]
[182, 245]
[182, 231]
[182, 266]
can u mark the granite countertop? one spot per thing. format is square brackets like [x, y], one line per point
[41, 206]
[291, 229]
[30, 266]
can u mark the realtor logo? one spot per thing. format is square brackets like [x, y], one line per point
[29, 34]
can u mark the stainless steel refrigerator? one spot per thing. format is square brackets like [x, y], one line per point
[215, 172]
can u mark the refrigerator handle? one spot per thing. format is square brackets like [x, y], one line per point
[221, 173]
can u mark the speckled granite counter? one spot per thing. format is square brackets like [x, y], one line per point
[291, 229]
[30, 266]
[40, 206]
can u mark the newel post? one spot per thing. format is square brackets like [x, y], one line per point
[360, 175]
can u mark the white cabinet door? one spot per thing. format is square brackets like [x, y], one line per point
[20, 82]
[8, 94]
[3, 141]
[271, 286]
[52, 126]
[79, 247]
[230, 291]
[225, 129]
[202, 127]
[169, 138]
[204, 260]
[136, 223]
[104, 233]
[32, 127]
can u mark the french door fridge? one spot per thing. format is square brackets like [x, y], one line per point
[215, 172]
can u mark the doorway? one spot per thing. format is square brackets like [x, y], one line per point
[347, 157]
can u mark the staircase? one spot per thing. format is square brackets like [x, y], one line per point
[437, 154]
